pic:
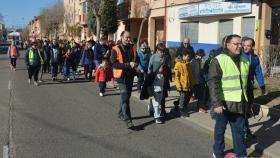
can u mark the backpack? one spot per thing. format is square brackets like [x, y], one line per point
[13, 51]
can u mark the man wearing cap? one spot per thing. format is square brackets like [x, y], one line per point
[33, 61]
[144, 55]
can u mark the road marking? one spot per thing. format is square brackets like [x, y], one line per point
[5, 151]
[10, 85]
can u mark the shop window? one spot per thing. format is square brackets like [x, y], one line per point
[248, 27]
[225, 28]
[190, 29]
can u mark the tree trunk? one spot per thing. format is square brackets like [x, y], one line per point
[97, 27]
[55, 33]
[146, 17]
[140, 32]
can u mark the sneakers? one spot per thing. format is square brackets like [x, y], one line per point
[29, 81]
[158, 121]
[40, 81]
[68, 79]
[36, 83]
[129, 124]
[101, 94]
[201, 110]
[121, 117]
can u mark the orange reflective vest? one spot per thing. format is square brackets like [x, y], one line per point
[117, 73]
[13, 51]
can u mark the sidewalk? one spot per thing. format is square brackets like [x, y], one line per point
[266, 126]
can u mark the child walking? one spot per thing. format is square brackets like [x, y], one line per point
[67, 63]
[183, 81]
[102, 75]
[158, 87]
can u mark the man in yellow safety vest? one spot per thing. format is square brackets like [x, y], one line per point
[228, 75]
[33, 61]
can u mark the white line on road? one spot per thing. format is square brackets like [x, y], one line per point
[10, 85]
[5, 151]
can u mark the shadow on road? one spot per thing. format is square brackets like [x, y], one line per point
[267, 135]
[63, 82]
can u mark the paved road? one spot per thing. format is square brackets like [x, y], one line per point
[70, 120]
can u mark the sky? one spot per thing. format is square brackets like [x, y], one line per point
[18, 13]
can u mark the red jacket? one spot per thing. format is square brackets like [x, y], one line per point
[103, 75]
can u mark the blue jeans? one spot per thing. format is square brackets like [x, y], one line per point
[66, 71]
[102, 86]
[237, 123]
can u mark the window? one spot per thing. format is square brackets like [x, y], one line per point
[225, 28]
[85, 8]
[190, 29]
[248, 27]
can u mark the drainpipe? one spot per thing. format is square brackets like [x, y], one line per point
[165, 25]
[258, 33]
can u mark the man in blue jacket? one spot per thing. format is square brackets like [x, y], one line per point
[255, 71]
[100, 50]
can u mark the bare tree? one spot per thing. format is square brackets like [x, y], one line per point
[51, 19]
[95, 9]
[24, 32]
[143, 9]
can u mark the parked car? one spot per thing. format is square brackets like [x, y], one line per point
[4, 48]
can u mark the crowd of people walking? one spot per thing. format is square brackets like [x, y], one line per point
[222, 83]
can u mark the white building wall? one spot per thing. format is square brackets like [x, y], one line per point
[173, 24]
[208, 26]
[208, 30]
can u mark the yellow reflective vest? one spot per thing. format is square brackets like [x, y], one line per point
[31, 57]
[234, 81]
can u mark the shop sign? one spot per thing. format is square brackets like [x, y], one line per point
[216, 8]
[189, 11]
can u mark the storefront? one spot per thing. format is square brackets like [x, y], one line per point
[207, 23]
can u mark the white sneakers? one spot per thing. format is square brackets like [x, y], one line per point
[158, 121]
[101, 94]
[36, 83]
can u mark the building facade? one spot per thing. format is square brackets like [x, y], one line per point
[34, 27]
[75, 24]
[207, 23]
